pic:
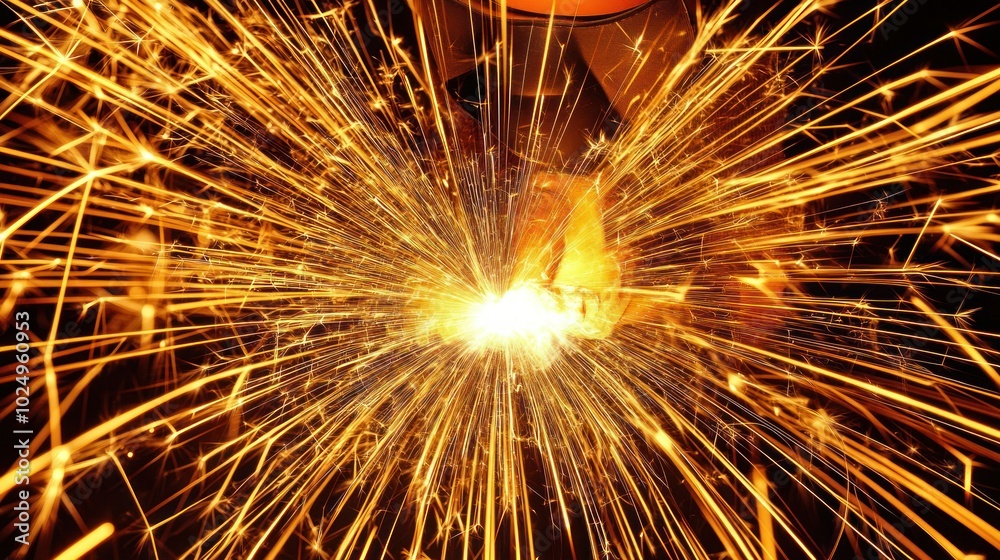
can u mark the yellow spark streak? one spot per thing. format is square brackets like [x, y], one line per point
[974, 425]
[142, 513]
[956, 335]
[80, 548]
[755, 50]
[921, 234]
[764, 516]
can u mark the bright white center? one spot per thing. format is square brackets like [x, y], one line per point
[524, 315]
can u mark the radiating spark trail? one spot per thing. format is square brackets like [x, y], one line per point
[277, 278]
[86, 544]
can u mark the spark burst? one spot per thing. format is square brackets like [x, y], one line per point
[254, 245]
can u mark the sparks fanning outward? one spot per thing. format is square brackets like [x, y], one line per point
[290, 300]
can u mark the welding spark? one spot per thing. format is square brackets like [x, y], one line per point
[297, 293]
